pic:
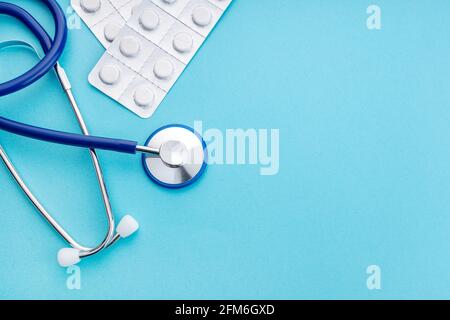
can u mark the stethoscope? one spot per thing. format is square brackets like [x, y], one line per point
[174, 156]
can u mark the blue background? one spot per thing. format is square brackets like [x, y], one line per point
[364, 163]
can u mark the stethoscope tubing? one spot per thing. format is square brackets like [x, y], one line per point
[53, 50]
[72, 139]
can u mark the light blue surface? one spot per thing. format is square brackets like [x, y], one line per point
[364, 176]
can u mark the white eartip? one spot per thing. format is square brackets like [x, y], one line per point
[68, 257]
[127, 226]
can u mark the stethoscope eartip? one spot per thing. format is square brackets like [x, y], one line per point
[68, 257]
[127, 226]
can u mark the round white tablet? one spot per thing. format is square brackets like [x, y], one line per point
[143, 96]
[182, 42]
[129, 46]
[109, 74]
[149, 20]
[163, 69]
[90, 6]
[201, 16]
[111, 30]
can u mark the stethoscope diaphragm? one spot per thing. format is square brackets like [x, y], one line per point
[182, 156]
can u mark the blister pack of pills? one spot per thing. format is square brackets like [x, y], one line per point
[149, 44]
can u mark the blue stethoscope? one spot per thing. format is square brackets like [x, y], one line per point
[174, 156]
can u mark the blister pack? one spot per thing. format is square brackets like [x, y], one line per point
[147, 52]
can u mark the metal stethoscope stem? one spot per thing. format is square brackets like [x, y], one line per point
[148, 150]
[111, 236]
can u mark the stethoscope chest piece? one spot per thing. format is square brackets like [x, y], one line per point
[181, 159]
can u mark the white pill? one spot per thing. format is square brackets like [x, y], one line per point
[143, 96]
[111, 31]
[182, 42]
[90, 6]
[202, 16]
[109, 74]
[149, 20]
[163, 69]
[129, 46]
